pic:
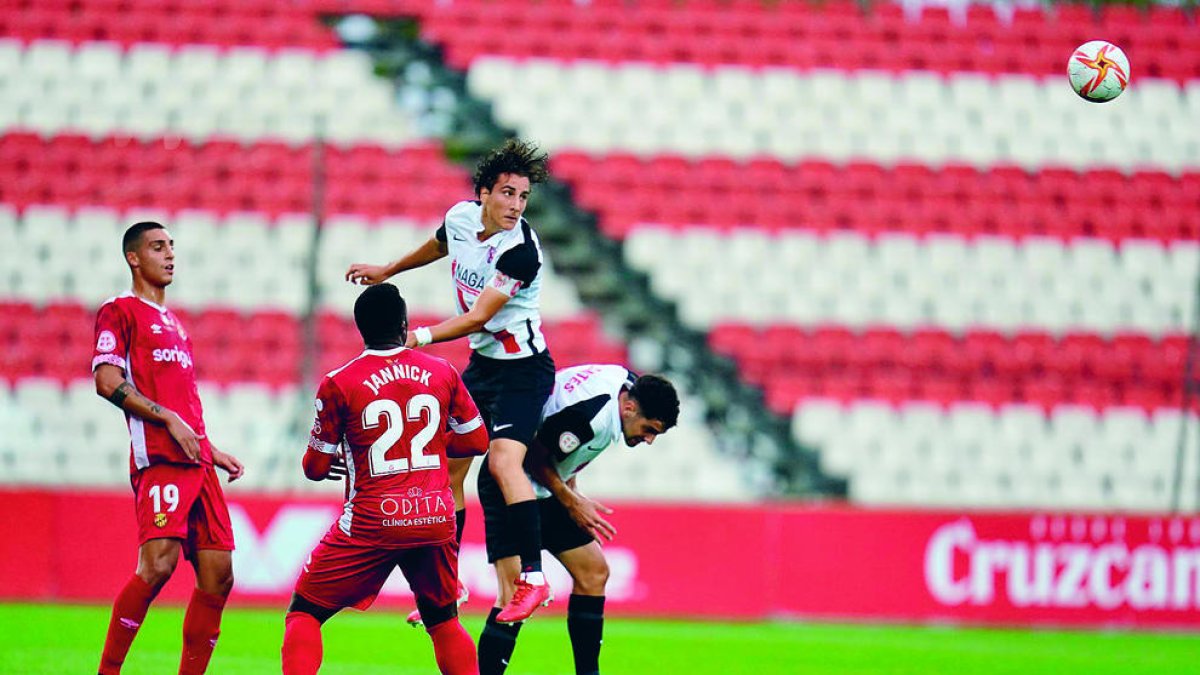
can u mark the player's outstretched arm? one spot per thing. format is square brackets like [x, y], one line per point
[489, 303]
[369, 275]
[584, 511]
[112, 385]
[229, 463]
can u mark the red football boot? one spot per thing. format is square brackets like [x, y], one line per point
[526, 599]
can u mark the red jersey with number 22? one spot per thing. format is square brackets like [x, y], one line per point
[148, 342]
[394, 412]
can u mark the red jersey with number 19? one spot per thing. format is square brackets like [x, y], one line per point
[394, 412]
[148, 342]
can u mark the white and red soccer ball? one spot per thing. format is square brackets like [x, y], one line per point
[1099, 71]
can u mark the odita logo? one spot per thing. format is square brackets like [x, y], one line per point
[173, 355]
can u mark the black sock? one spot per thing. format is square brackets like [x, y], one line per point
[526, 523]
[585, 625]
[460, 523]
[496, 644]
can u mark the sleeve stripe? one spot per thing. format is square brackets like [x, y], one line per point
[322, 447]
[110, 359]
[466, 427]
[505, 284]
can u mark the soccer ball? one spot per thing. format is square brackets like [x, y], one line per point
[1099, 71]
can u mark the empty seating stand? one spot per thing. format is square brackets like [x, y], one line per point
[964, 284]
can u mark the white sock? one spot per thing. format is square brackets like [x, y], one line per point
[534, 578]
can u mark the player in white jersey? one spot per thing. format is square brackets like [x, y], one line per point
[590, 409]
[496, 265]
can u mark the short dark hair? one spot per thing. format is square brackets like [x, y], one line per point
[381, 314]
[133, 236]
[657, 399]
[516, 157]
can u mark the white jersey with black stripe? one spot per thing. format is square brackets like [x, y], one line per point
[509, 261]
[582, 417]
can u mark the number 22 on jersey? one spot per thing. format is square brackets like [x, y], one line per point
[385, 411]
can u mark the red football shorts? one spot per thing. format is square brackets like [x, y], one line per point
[185, 502]
[342, 574]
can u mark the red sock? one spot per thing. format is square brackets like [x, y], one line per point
[454, 649]
[129, 610]
[201, 626]
[301, 644]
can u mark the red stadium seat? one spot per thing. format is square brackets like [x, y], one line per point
[995, 393]
[939, 388]
[892, 385]
[1117, 364]
[1121, 18]
[1007, 201]
[933, 365]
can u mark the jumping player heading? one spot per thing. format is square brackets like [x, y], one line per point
[496, 267]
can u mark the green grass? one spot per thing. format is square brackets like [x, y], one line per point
[54, 639]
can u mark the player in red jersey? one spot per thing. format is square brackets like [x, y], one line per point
[143, 364]
[399, 414]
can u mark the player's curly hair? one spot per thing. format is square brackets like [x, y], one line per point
[515, 156]
[657, 399]
[381, 315]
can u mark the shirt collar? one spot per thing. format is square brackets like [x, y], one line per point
[155, 305]
[384, 352]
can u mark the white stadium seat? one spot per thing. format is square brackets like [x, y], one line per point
[198, 92]
[945, 280]
[1014, 456]
[989, 120]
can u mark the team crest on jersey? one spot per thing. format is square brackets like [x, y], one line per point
[568, 442]
[491, 254]
[160, 520]
[106, 342]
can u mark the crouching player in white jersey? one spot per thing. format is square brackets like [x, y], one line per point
[496, 265]
[590, 408]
